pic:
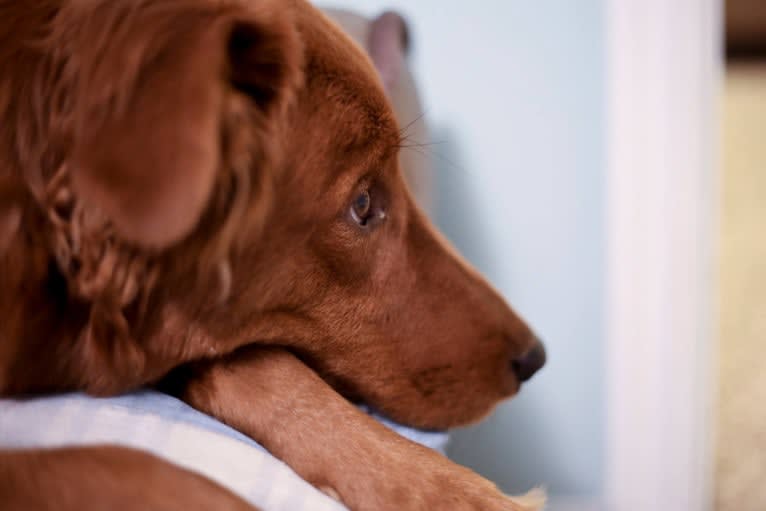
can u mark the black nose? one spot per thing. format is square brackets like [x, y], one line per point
[530, 362]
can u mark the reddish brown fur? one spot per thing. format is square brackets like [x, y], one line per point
[79, 478]
[176, 184]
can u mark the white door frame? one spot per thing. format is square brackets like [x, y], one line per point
[664, 67]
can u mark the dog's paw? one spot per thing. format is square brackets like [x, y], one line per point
[464, 490]
[533, 500]
[426, 481]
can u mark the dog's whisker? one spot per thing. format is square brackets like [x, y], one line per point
[410, 124]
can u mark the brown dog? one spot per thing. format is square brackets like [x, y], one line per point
[216, 182]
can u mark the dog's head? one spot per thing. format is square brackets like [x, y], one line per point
[259, 136]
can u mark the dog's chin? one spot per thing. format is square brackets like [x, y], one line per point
[467, 410]
[430, 417]
[401, 425]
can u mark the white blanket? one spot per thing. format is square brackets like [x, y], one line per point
[172, 430]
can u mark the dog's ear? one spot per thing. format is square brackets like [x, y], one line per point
[153, 81]
[388, 44]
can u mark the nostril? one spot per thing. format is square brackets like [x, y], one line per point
[529, 363]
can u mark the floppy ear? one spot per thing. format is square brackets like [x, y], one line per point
[152, 80]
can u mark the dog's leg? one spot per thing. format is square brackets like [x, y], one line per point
[102, 477]
[275, 398]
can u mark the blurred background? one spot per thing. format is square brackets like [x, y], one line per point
[741, 419]
[602, 162]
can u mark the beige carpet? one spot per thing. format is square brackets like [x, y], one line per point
[741, 448]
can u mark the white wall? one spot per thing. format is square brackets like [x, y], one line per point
[515, 89]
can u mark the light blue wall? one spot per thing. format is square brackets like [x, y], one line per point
[514, 88]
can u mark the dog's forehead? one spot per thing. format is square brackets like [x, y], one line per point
[343, 76]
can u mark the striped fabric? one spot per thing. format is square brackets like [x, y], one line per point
[172, 430]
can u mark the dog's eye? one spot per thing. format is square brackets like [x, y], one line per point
[361, 208]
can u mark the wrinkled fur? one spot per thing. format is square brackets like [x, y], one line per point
[175, 182]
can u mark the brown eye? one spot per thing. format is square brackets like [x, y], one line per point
[360, 209]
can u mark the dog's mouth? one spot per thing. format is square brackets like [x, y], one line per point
[448, 392]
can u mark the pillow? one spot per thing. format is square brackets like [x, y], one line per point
[171, 429]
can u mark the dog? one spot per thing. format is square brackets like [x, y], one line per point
[206, 195]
